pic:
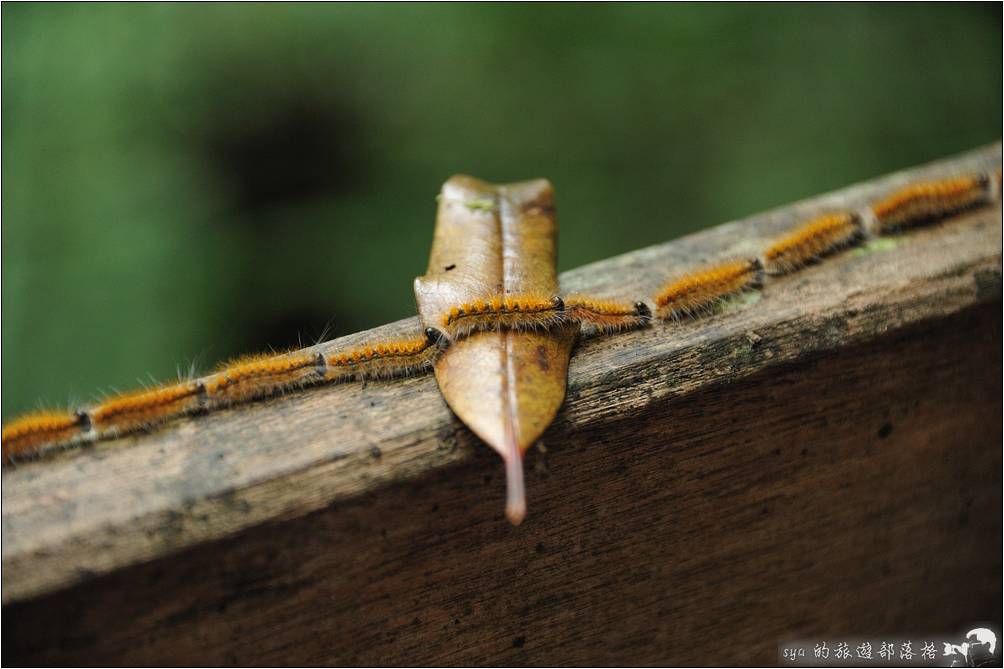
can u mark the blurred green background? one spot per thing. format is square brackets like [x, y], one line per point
[185, 182]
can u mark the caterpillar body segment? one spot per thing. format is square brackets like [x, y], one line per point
[607, 316]
[259, 376]
[812, 241]
[142, 409]
[504, 312]
[32, 433]
[386, 360]
[700, 293]
[929, 201]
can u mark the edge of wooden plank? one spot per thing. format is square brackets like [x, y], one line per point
[99, 509]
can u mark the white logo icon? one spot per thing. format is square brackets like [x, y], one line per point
[979, 647]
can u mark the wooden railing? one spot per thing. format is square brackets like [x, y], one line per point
[823, 458]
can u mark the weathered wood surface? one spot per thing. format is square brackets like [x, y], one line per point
[823, 459]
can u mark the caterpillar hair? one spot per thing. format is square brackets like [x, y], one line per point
[260, 376]
[386, 360]
[700, 292]
[607, 316]
[815, 239]
[929, 201]
[504, 312]
[31, 434]
[143, 409]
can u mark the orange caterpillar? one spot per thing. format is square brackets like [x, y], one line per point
[29, 434]
[924, 202]
[142, 409]
[700, 292]
[244, 380]
[809, 242]
[259, 376]
[504, 312]
[392, 359]
[607, 316]
[536, 312]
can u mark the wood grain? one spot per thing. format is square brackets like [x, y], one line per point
[822, 459]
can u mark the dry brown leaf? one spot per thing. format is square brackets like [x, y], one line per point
[505, 386]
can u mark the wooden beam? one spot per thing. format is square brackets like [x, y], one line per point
[822, 458]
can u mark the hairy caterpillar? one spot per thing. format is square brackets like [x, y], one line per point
[698, 293]
[385, 360]
[930, 200]
[25, 435]
[812, 241]
[142, 409]
[504, 312]
[535, 312]
[243, 380]
[258, 376]
[692, 295]
[607, 316]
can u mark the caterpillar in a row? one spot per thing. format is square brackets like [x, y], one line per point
[692, 295]
[243, 380]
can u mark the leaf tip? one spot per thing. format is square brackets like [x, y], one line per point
[515, 505]
[515, 511]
